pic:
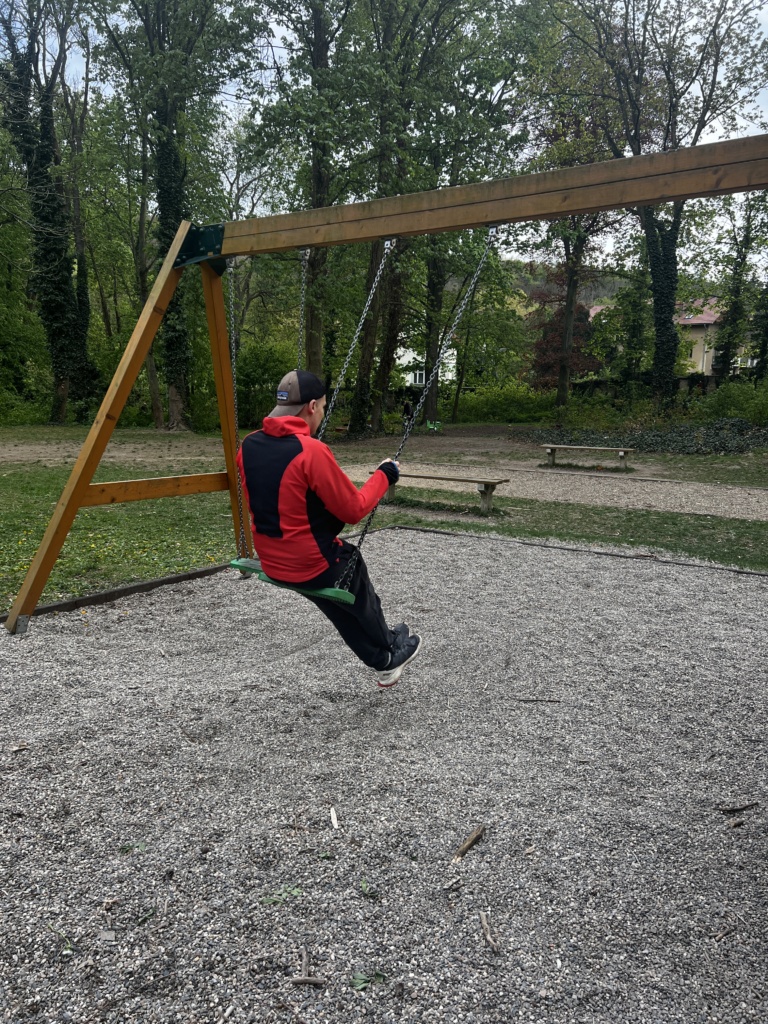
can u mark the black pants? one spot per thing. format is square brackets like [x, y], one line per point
[362, 625]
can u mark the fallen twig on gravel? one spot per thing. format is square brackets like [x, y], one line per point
[738, 810]
[468, 843]
[487, 932]
[304, 978]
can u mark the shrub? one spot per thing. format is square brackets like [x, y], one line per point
[14, 412]
[725, 436]
[512, 402]
[735, 399]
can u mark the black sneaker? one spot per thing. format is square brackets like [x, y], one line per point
[402, 632]
[402, 654]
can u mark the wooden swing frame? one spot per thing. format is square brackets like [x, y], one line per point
[710, 170]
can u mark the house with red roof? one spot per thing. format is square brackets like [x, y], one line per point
[699, 331]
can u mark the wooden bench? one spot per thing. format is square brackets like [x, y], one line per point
[552, 448]
[484, 487]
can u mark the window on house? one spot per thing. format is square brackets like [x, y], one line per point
[418, 377]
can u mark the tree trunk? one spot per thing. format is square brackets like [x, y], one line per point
[732, 331]
[158, 414]
[141, 265]
[462, 362]
[760, 333]
[176, 409]
[392, 319]
[436, 279]
[313, 331]
[84, 374]
[361, 398]
[564, 376]
[171, 208]
[60, 398]
[103, 300]
[320, 41]
[28, 115]
[661, 239]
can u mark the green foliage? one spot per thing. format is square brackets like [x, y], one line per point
[629, 408]
[14, 411]
[285, 893]
[26, 381]
[623, 337]
[735, 399]
[511, 402]
[259, 370]
[61, 299]
[361, 981]
[140, 846]
[368, 890]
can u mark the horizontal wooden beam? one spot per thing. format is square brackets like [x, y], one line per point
[714, 169]
[154, 487]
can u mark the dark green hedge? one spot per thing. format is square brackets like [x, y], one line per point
[721, 437]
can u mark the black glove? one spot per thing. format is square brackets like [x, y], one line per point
[391, 471]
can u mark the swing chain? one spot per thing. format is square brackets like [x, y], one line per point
[346, 577]
[303, 307]
[389, 246]
[242, 544]
[449, 335]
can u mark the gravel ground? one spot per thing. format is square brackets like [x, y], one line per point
[584, 488]
[200, 781]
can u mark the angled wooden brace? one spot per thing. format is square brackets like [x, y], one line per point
[73, 495]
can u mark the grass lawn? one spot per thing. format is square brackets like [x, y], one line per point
[747, 470]
[136, 541]
[736, 542]
[108, 545]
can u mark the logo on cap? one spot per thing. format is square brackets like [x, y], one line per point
[282, 396]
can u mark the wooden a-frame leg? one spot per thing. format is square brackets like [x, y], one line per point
[98, 437]
[225, 393]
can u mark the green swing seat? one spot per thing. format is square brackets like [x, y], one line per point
[329, 593]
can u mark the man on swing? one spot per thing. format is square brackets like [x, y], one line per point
[298, 499]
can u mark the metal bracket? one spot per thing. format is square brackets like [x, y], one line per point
[203, 245]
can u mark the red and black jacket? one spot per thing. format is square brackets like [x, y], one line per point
[299, 498]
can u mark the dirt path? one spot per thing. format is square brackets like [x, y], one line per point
[473, 451]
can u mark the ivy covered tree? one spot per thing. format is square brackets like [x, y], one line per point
[35, 38]
[24, 364]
